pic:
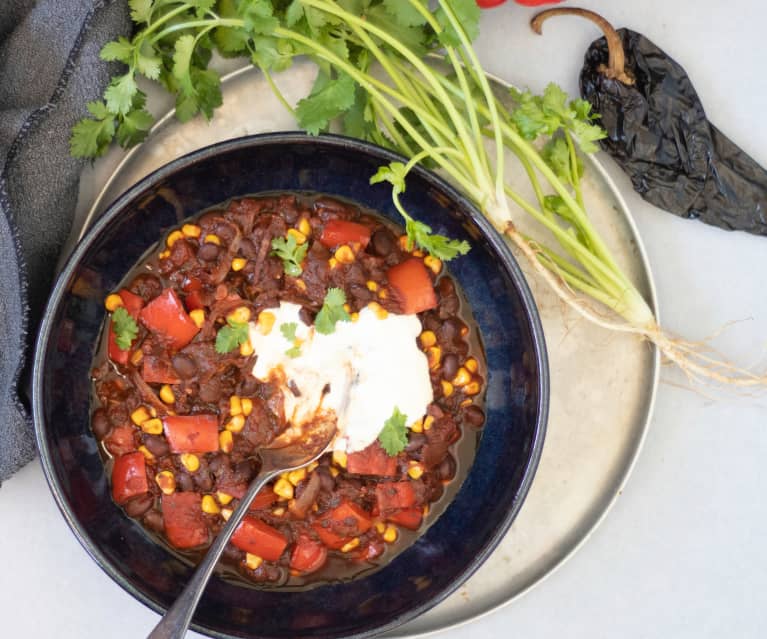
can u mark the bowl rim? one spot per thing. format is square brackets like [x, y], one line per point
[493, 238]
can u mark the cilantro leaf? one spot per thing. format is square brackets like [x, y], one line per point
[141, 10]
[291, 253]
[148, 64]
[231, 336]
[258, 16]
[332, 311]
[467, 14]
[120, 50]
[404, 13]
[288, 330]
[91, 138]
[120, 93]
[394, 173]
[393, 437]
[182, 59]
[124, 327]
[322, 105]
[134, 127]
[557, 155]
[294, 351]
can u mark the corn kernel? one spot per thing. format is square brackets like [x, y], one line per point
[300, 237]
[417, 427]
[246, 349]
[339, 458]
[191, 462]
[417, 253]
[334, 471]
[390, 534]
[380, 311]
[224, 498]
[415, 471]
[305, 227]
[300, 284]
[426, 510]
[198, 317]
[226, 441]
[166, 481]
[139, 416]
[447, 388]
[372, 286]
[383, 294]
[380, 527]
[236, 424]
[471, 365]
[210, 238]
[354, 317]
[153, 411]
[464, 330]
[191, 230]
[344, 254]
[312, 466]
[428, 338]
[472, 388]
[152, 426]
[465, 403]
[166, 394]
[404, 242]
[434, 264]
[235, 405]
[136, 358]
[295, 477]
[209, 505]
[174, 237]
[164, 255]
[266, 322]
[238, 263]
[113, 302]
[241, 315]
[279, 512]
[283, 488]
[434, 356]
[247, 406]
[226, 513]
[253, 561]
[347, 308]
[428, 422]
[351, 545]
[462, 377]
[146, 453]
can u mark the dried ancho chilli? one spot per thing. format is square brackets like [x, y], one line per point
[659, 134]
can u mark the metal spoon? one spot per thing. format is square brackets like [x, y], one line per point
[274, 461]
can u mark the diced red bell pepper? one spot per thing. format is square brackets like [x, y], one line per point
[372, 460]
[191, 433]
[412, 286]
[129, 477]
[337, 232]
[487, 4]
[329, 538]
[258, 538]
[393, 495]
[120, 441]
[192, 287]
[341, 524]
[185, 526]
[166, 317]
[133, 304]
[264, 499]
[308, 555]
[409, 518]
[158, 370]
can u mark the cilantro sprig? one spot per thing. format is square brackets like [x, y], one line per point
[124, 327]
[231, 336]
[288, 330]
[291, 253]
[393, 436]
[332, 311]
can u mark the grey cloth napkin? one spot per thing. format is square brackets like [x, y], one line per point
[49, 70]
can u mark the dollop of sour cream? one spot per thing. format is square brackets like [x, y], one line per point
[361, 372]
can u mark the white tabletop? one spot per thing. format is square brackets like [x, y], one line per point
[682, 553]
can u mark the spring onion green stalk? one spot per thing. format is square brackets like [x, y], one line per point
[376, 79]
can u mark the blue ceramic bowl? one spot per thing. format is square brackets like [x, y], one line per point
[461, 538]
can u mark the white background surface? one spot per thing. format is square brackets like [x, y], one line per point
[682, 553]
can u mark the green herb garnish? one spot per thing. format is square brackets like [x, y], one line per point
[332, 311]
[291, 253]
[288, 331]
[393, 436]
[231, 336]
[124, 327]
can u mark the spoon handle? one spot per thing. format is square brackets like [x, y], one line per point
[176, 620]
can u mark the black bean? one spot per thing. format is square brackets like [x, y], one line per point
[100, 423]
[415, 441]
[146, 285]
[449, 366]
[449, 330]
[139, 505]
[243, 472]
[203, 481]
[306, 315]
[233, 554]
[153, 520]
[208, 252]
[218, 464]
[184, 482]
[248, 386]
[382, 242]
[474, 416]
[184, 365]
[248, 248]
[446, 469]
[157, 445]
[210, 391]
[445, 287]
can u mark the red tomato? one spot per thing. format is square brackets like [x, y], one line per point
[184, 524]
[337, 232]
[487, 4]
[412, 286]
[258, 538]
[157, 370]
[372, 460]
[133, 304]
[308, 555]
[393, 495]
[165, 316]
[407, 518]
[129, 477]
[120, 440]
[191, 433]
